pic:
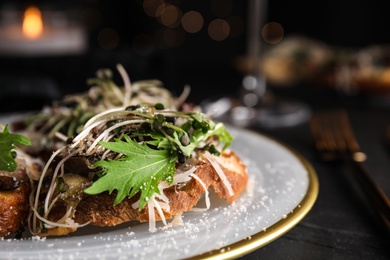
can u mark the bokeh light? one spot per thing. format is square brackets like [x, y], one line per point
[170, 15]
[192, 22]
[273, 32]
[219, 29]
[223, 23]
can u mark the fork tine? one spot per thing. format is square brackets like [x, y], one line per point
[318, 133]
[335, 122]
[348, 133]
[324, 129]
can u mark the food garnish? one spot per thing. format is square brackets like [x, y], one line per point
[7, 148]
[129, 144]
[148, 162]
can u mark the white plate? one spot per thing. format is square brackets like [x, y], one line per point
[283, 187]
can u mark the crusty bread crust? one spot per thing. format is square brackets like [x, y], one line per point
[14, 204]
[99, 210]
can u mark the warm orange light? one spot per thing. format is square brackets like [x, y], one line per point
[32, 23]
[192, 21]
[219, 29]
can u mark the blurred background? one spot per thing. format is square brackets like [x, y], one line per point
[199, 43]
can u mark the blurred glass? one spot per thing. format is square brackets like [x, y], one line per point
[256, 105]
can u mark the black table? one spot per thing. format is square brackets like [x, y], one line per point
[341, 224]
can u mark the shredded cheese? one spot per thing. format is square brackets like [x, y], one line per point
[160, 202]
[177, 221]
[152, 217]
[220, 173]
[206, 192]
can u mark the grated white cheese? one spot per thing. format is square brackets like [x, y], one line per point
[177, 221]
[220, 173]
[207, 198]
[152, 217]
[160, 202]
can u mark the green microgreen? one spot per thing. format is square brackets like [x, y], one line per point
[7, 149]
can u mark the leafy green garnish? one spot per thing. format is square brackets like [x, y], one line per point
[141, 169]
[152, 149]
[197, 137]
[7, 147]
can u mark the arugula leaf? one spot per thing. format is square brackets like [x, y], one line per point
[218, 130]
[140, 170]
[7, 146]
[198, 136]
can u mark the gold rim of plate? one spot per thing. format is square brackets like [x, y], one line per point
[278, 229]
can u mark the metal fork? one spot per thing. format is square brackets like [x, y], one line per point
[335, 140]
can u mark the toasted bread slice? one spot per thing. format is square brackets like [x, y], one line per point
[99, 210]
[15, 190]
